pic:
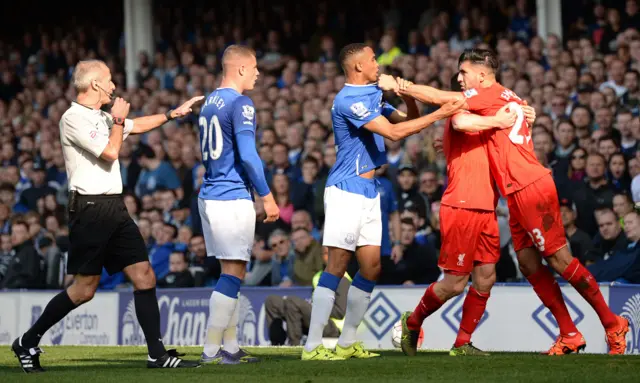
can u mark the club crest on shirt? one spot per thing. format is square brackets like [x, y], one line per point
[359, 109]
[470, 93]
[248, 112]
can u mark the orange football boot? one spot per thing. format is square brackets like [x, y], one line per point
[616, 337]
[567, 344]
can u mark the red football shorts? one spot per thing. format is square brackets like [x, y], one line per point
[534, 217]
[469, 237]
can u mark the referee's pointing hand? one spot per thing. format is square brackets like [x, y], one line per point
[185, 108]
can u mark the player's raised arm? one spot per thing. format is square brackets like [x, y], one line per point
[395, 132]
[423, 93]
[244, 131]
[471, 122]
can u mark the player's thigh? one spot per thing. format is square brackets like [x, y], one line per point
[488, 248]
[460, 231]
[126, 247]
[539, 212]
[371, 224]
[519, 235]
[343, 216]
[228, 228]
[90, 229]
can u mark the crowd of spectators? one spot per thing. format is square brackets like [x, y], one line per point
[584, 88]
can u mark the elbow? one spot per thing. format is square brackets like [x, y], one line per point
[393, 135]
[108, 154]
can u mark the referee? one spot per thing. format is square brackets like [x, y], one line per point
[101, 232]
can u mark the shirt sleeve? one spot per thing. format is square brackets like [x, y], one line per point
[244, 115]
[251, 161]
[476, 100]
[81, 132]
[128, 127]
[359, 111]
[387, 109]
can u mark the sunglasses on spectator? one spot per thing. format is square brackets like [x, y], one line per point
[276, 244]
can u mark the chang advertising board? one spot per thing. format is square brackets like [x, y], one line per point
[184, 314]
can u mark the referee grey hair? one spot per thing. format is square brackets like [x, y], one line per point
[85, 72]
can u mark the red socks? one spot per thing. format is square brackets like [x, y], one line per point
[583, 281]
[472, 311]
[429, 304]
[548, 290]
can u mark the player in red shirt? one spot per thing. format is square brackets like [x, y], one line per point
[535, 220]
[469, 230]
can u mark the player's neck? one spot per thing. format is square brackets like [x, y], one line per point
[354, 79]
[229, 83]
[488, 83]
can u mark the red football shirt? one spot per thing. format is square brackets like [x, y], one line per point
[511, 157]
[470, 184]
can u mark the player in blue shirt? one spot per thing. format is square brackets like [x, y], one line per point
[227, 137]
[352, 203]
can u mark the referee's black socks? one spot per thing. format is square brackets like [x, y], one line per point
[148, 315]
[56, 309]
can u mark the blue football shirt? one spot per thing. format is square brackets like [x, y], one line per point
[358, 149]
[224, 113]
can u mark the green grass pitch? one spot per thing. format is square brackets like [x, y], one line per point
[127, 364]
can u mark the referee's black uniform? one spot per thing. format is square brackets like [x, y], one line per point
[101, 232]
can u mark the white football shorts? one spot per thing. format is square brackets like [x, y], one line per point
[228, 228]
[351, 219]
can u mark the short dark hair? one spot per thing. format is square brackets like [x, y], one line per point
[183, 254]
[486, 57]
[311, 160]
[349, 50]
[408, 221]
[634, 72]
[609, 138]
[625, 195]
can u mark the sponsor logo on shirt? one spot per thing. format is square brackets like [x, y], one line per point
[470, 93]
[248, 112]
[360, 110]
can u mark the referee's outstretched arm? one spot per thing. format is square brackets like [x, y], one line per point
[145, 124]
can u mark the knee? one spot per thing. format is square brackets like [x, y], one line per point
[528, 265]
[81, 293]
[371, 271]
[484, 283]
[143, 277]
[452, 287]
[560, 260]
[338, 261]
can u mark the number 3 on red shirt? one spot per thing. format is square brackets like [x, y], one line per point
[514, 134]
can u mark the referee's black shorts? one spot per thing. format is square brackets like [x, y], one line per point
[102, 234]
